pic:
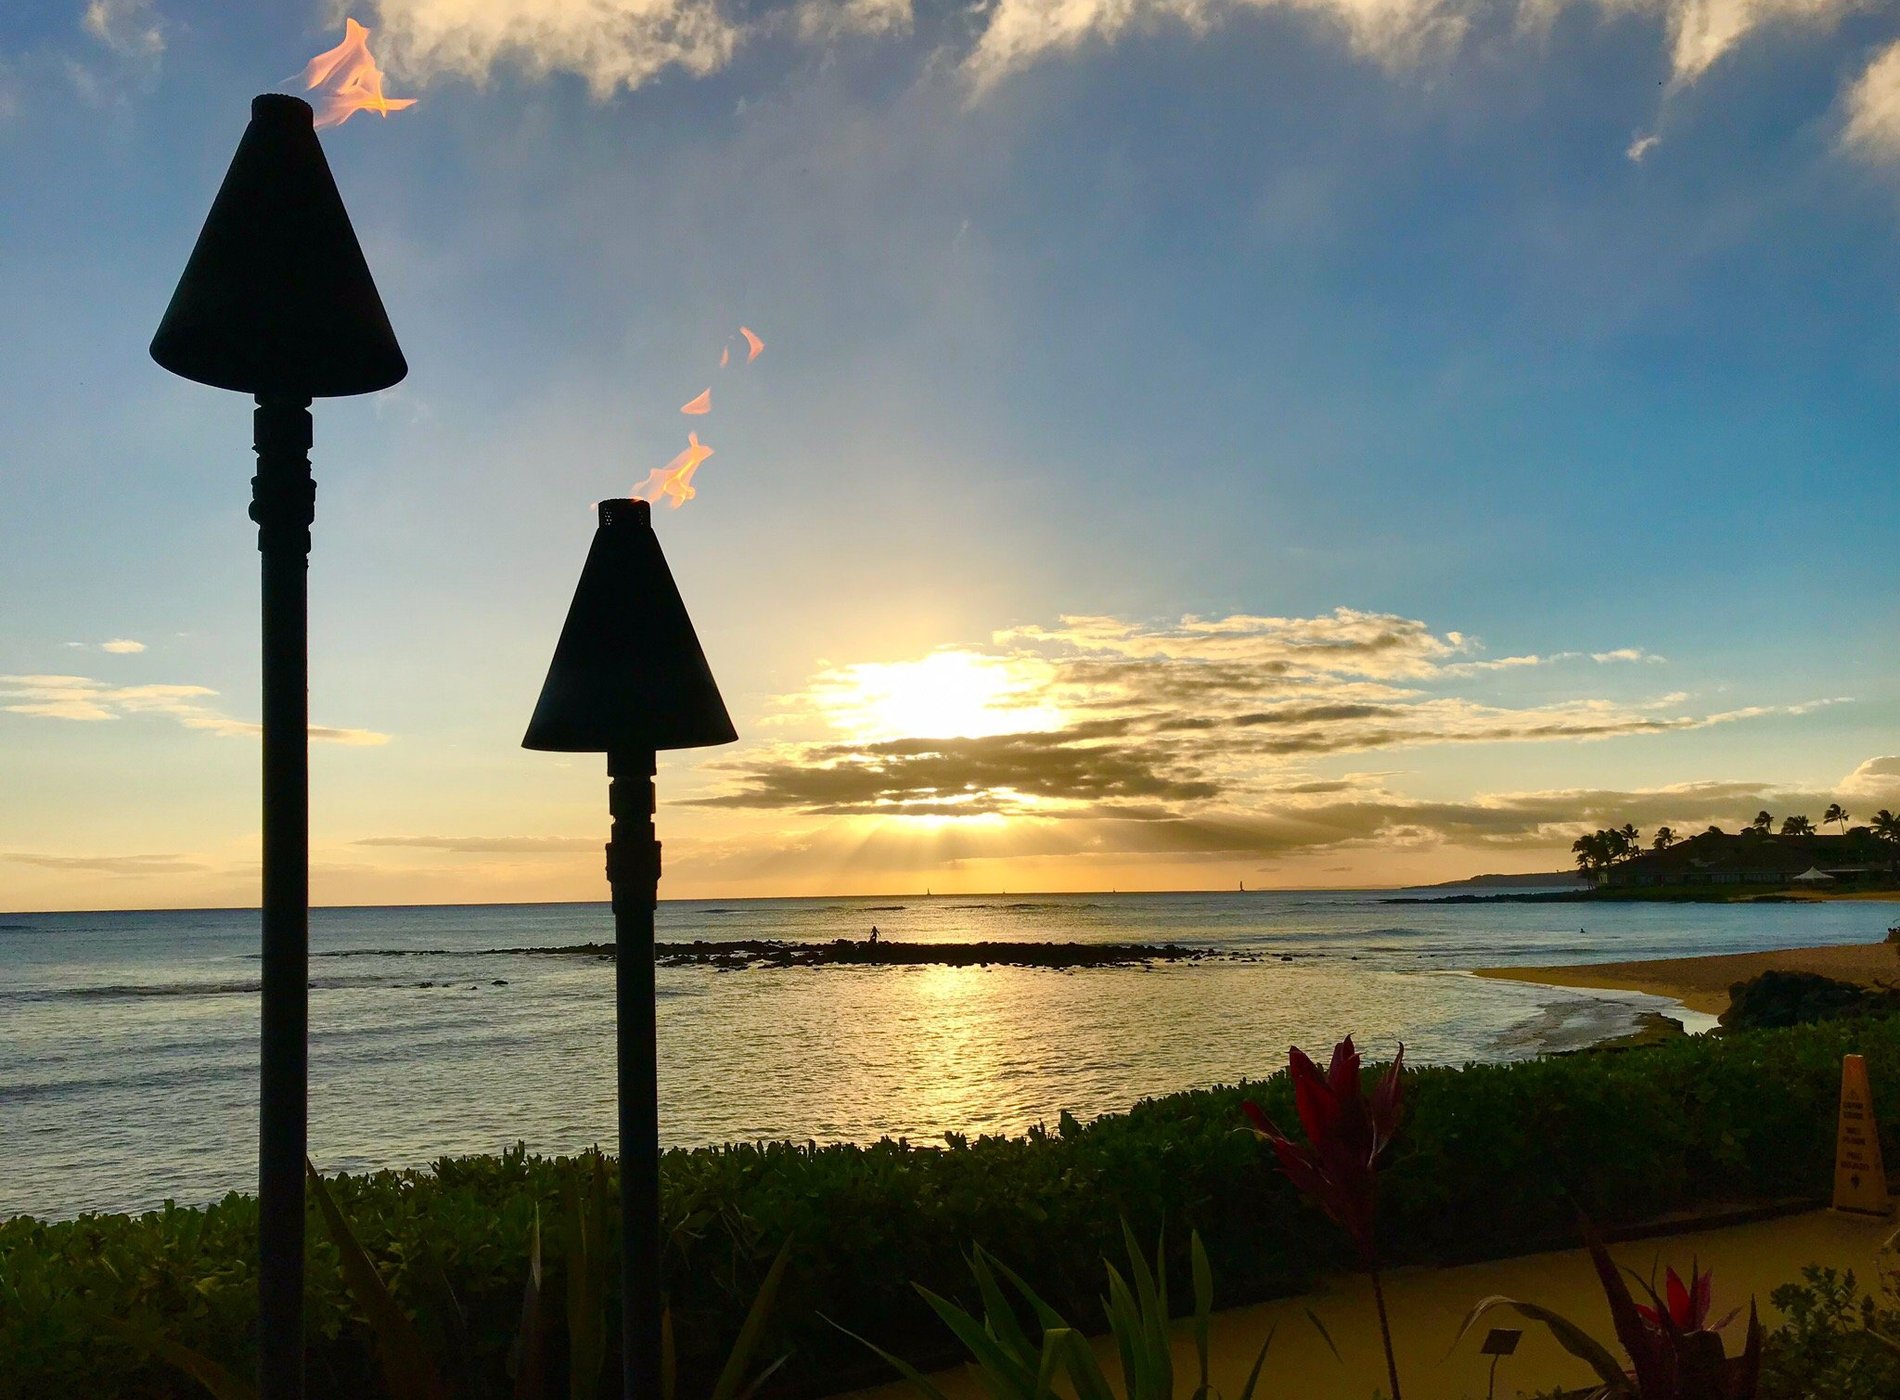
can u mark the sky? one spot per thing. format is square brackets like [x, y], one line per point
[1300, 442]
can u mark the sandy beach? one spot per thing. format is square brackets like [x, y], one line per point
[1702, 984]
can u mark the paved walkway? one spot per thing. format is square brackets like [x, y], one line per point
[1429, 1304]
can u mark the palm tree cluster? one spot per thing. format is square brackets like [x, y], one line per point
[1601, 849]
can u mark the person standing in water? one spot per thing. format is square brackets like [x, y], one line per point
[874, 933]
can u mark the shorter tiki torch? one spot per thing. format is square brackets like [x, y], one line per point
[629, 679]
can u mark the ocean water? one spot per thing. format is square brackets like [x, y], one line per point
[128, 1048]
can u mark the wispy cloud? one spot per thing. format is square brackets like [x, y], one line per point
[489, 845]
[132, 29]
[83, 699]
[1872, 103]
[118, 646]
[132, 865]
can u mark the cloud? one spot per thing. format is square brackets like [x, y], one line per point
[86, 700]
[1873, 109]
[489, 845]
[612, 44]
[825, 21]
[118, 646]
[130, 28]
[1875, 783]
[1396, 34]
[1104, 713]
[108, 865]
[1626, 654]
[1642, 146]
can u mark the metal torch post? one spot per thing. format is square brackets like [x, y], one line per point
[633, 874]
[283, 503]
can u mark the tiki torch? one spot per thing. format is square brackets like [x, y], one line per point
[278, 303]
[629, 679]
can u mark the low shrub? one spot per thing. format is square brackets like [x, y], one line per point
[1492, 1160]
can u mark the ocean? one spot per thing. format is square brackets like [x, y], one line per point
[128, 1050]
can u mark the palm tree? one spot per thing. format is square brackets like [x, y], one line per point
[1796, 826]
[1715, 831]
[1763, 823]
[1665, 838]
[1886, 826]
[1835, 813]
[1632, 839]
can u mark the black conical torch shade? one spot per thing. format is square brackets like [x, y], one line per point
[628, 673]
[276, 299]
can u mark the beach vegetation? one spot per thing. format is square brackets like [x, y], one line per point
[1796, 826]
[1490, 1161]
[1835, 1342]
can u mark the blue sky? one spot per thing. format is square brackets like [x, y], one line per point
[1246, 313]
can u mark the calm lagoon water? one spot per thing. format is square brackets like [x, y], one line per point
[128, 1040]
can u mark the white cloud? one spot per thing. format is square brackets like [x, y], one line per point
[1626, 654]
[130, 28]
[1393, 33]
[122, 646]
[822, 21]
[85, 700]
[610, 43]
[1642, 146]
[1875, 782]
[1873, 108]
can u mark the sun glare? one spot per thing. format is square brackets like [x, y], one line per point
[946, 695]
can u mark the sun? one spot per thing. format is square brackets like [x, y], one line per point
[949, 694]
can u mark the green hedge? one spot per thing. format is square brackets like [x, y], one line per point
[1489, 1158]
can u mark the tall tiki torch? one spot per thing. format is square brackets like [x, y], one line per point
[628, 679]
[278, 303]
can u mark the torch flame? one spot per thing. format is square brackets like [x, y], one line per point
[701, 404]
[725, 356]
[753, 345]
[674, 480]
[352, 81]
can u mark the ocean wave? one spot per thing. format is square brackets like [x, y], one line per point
[133, 991]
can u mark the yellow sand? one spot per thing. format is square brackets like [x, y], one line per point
[1427, 1306]
[1702, 984]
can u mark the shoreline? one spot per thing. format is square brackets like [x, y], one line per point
[1702, 983]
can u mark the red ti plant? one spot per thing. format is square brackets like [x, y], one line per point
[1337, 1166]
[1674, 1352]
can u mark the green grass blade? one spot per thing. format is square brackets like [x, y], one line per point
[922, 1383]
[998, 1315]
[732, 1374]
[1203, 1303]
[528, 1357]
[1568, 1335]
[408, 1370]
[1324, 1335]
[1002, 1375]
[1253, 1376]
[1046, 1315]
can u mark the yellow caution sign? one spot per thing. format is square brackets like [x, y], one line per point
[1860, 1179]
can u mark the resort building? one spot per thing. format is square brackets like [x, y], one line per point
[1856, 859]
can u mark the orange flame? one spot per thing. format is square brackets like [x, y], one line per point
[674, 480]
[702, 404]
[352, 81]
[753, 345]
[725, 356]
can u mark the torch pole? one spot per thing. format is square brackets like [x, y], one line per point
[633, 874]
[283, 503]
